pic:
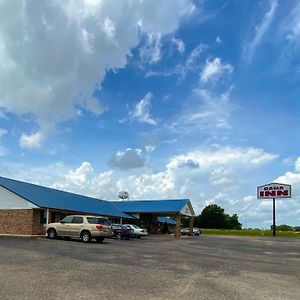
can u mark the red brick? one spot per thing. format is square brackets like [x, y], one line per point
[21, 221]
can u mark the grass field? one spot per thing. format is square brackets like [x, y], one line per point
[251, 232]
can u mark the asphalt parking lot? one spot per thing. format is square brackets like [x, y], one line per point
[158, 267]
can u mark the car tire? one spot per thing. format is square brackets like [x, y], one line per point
[86, 236]
[138, 236]
[52, 233]
[119, 236]
[99, 239]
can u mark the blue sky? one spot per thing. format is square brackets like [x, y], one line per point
[186, 99]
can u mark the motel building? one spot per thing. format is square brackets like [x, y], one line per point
[26, 209]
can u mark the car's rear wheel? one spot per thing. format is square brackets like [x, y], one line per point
[99, 239]
[86, 236]
[52, 233]
[119, 236]
[138, 236]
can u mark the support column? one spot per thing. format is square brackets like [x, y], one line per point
[191, 232]
[47, 216]
[178, 226]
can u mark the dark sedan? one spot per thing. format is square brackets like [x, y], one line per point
[122, 232]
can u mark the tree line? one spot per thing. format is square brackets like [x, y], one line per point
[214, 217]
[284, 227]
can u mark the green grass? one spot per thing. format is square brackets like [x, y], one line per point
[251, 232]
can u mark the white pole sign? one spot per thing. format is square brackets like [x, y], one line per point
[274, 190]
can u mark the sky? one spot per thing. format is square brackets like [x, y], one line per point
[164, 99]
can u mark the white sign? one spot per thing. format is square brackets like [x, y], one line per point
[274, 190]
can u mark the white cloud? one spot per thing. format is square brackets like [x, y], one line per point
[150, 143]
[292, 26]
[141, 111]
[191, 64]
[129, 159]
[79, 175]
[221, 175]
[207, 113]
[290, 33]
[260, 30]
[150, 148]
[292, 177]
[31, 141]
[151, 51]
[3, 151]
[179, 45]
[2, 132]
[214, 70]
[219, 40]
[297, 165]
[54, 54]
[2, 115]
[207, 159]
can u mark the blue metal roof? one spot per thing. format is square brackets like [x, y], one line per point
[166, 220]
[151, 206]
[45, 197]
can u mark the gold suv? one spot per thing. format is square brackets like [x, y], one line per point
[84, 227]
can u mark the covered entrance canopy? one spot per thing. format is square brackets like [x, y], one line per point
[151, 209]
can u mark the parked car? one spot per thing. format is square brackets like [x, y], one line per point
[138, 231]
[185, 231]
[81, 226]
[131, 231]
[122, 232]
[197, 231]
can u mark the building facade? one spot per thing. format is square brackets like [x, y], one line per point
[27, 208]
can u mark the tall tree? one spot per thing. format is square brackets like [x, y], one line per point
[233, 222]
[213, 216]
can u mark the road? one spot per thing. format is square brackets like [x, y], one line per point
[158, 267]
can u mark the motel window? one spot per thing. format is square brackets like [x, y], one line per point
[53, 215]
[43, 216]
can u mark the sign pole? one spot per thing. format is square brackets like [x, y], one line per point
[274, 223]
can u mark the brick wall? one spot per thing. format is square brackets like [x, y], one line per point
[20, 221]
[37, 227]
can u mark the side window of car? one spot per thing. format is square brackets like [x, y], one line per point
[67, 220]
[77, 220]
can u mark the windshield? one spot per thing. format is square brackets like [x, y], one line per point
[136, 227]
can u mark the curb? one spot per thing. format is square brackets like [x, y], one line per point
[21, 235]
